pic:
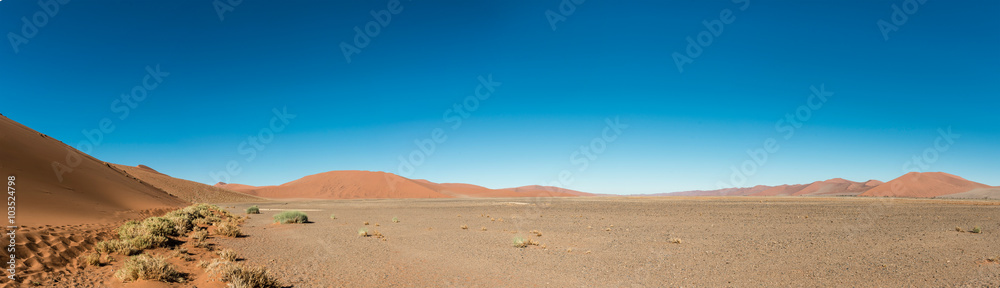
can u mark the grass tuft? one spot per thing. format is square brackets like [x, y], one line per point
[144, 267]
[229, 229]
[289, 217]
[253, 210]
[227, 255]
[520, 242]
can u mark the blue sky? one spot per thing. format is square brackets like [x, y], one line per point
[220, 80]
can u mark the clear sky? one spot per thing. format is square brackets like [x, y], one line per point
[884, 90]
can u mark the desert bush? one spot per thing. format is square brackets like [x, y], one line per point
[395, 220]
[144, 242]
[333, 216]
[536, 232]
[959, 229]
[144, 267]
[250, 277]
[123, 247]
[676, 240]
[130, 229]
[227, 255]
[976, 230]
[465, 227]
[291, 217]
[363, 232]
[253, 210]
[159, 226]
[229, 229]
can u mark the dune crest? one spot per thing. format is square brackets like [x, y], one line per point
[91, 191]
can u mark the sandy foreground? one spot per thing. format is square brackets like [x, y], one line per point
[628, 242]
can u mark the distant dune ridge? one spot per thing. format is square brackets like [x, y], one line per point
[913, 184]
[354, 184]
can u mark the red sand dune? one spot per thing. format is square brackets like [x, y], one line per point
[927, 184]
[373, 185]
[190, 191]
[91, 192]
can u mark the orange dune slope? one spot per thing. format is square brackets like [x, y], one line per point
[56, 184]
[924, 185]
[190, 191]
[375, 185]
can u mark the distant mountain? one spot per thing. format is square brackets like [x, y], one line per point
[372, 185]
[914, 184]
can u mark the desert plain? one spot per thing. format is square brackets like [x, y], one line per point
[629, 242]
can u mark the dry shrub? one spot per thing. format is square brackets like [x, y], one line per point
[676, 240]
[536, 232]
[522, 242]
[240, 276]
[229, 229]
[92, 259]
[144, 267]
[465, 227]
[363, 232]
[199, 235]
[227, 255]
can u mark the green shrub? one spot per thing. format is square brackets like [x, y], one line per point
[159, 226]
[253, 210]
[333, 216]
[395, 220]
[291, 217]
[148, 242]
[976, 230]
[144, 267]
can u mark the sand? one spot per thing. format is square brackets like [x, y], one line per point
[625, 242]
[190, 191]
